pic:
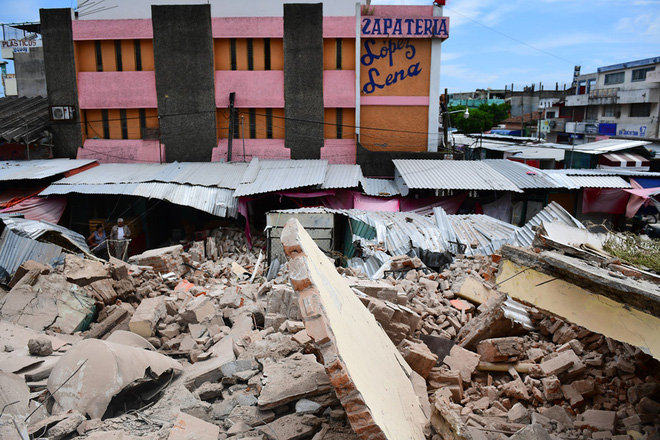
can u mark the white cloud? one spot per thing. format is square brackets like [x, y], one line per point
[646, 25]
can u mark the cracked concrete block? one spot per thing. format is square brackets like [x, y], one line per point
[369, 375]
[147, 315]
[187, 427]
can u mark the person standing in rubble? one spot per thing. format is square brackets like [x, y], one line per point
[97, 243]
[120, 236]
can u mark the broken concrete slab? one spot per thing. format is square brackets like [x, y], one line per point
[380, 401]
[51, 303]
[463, 361]
[102, 370]
[474, 289]
[146, 316]
[187, 427]
[293, 427]
[291, 379]
[581, 306]
[532, 432]
[15, 401]
[67, 426]
[83, 271]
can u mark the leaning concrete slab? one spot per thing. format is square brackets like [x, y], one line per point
[370, 377]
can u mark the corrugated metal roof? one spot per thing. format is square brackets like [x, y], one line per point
[23, 119]
[34, 229]
[552, 212]
[216, 174]
[16, 249]
[488, 233]
[523, 176]
[598, 182]
[601, 172]
[38, 169]
[379, 187]
[277, 175]
[342, 176]
[217, 201]
[531, 153]
[607, 145]
[452, 174]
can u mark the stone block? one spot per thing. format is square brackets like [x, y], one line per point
[558, 364]
[462, 360]
[596, 420]
[419, 357]
[187, 427]
[500, 349]
[146, 316]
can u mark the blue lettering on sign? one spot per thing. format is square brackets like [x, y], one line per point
[405, 27]
[641, 132]
[387, 50]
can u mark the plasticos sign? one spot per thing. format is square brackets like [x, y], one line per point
[20, 45]
[406, 27]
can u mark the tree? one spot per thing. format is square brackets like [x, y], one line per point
[481, 119]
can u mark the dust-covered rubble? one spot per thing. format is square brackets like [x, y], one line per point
[179, 345]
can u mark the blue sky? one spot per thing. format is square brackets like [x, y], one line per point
[493, 43]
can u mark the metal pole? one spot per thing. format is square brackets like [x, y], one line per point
[230, 135]
[243, 135]
[445, 121]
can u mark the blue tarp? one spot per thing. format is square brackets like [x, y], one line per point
[647, 183]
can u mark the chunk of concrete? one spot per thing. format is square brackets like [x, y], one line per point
[98, 370]
[147, 315]
[292, 427]
[364, 366]
[291, 379]
[67, 426]
[463, 361]
[532, 432]
[187, 427]
[15, 399]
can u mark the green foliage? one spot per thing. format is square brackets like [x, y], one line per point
[481, 119]
[635, 250]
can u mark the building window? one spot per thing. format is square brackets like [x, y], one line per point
[550, 115]
[340, 123]
[640, 74]
[339, 46]
[592, 113]
[610, 111]
[253, 123]
[143, 121]
[266, 53]
[232, 51]
[250, 53]
[615, 78]
[269, 123]
[640, 110]
[120, 66]
[99, 56]
[106, 124]
[138, 55]
[124, 123]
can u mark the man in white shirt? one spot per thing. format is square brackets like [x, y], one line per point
[120, 233]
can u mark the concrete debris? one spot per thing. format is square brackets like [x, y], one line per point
[559, 357]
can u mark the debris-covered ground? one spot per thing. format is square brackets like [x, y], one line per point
[198, 345]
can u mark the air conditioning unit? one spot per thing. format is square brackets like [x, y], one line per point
[62, 112]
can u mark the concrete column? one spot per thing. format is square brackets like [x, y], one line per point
[303, 80]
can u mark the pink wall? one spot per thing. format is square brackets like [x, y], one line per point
[339, 151]
[254, 89]
[110, 90]
[400, 11]
[339, 88]
[112, 29]
[395, 100]
[121, 151]
[261, 148]
[273, 27]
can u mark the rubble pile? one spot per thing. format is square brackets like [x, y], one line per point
[198, 344]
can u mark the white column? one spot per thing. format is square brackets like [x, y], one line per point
[434, 89]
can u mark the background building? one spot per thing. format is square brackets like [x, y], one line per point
[617, 100]
[232, 81]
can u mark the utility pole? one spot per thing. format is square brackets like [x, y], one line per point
[444, 108]
[230, 136]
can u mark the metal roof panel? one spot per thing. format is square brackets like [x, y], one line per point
[39, 169]
[342, 176]
[523, 176]
[452, 174]
[277, 175]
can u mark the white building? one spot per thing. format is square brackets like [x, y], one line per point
[618, 100]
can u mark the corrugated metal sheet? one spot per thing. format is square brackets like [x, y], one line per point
[216, 201]
[452, 174]
[278, 175]
[34, 229]
[523, 176]
[488, 233]
[342, 176]
[551, 213]
[38, 169]
[23, 119]
[608, 145]
[379, 187]
[532, 153]
[216, 174]
[598, 182]
[16, 249]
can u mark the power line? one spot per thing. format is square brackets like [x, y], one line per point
[512, 38]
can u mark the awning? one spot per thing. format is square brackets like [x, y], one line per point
[624, 160]
[49, 209]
